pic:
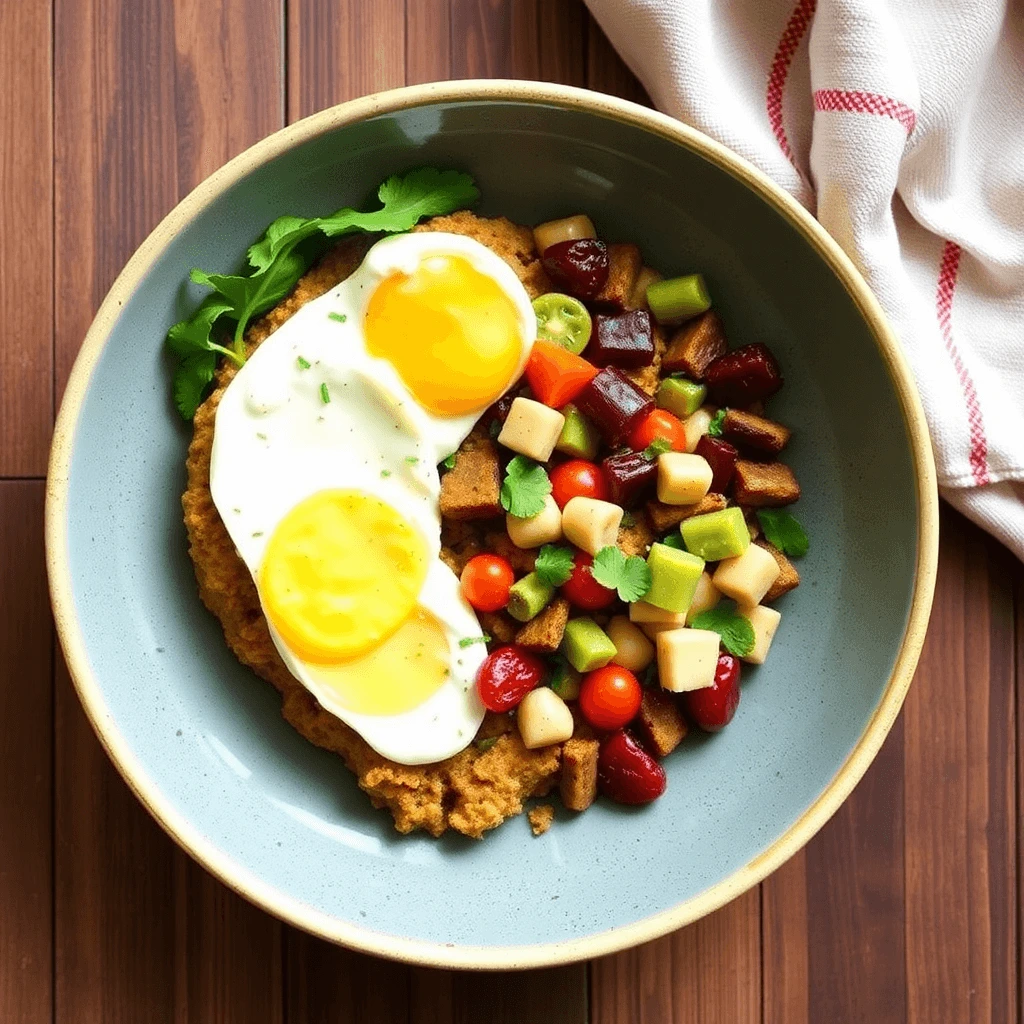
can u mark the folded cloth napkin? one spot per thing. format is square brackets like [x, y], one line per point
[900, 124]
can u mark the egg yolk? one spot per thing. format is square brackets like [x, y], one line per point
[452, 334]
[399, 675]
[341, 572]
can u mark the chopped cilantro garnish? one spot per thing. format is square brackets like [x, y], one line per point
[337, 317]
[715, 426]
[628, 520]
[656, 447]
[468, 641]
[449, 463]
[782, 529]
[494, 428]
[485, 745]
[412, 459]
[525, 487]
[735, 630]
[554, 564]
[304, 364]
[385, 473]
[629, 577]
[325, 395]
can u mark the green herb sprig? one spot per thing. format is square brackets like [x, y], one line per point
[629, 577]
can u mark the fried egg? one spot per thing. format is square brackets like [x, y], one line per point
[324, 471]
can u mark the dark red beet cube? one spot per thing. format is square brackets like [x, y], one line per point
[721, 457]
[614, 404]
[743, 375]
[625, 340]
[630, 476]
[577, 266]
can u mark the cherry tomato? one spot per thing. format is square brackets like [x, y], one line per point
[712, 707]
[659, 423]
[578, 478]
[507, 676]
[486, 581]
[627, 773]
[582, 590]
[610, 697]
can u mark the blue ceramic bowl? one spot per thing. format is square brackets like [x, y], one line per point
[201, 740]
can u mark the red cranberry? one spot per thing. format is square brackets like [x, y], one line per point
[578, 266]
[743, 375]
[627, 773]
[712, 707]
[507, 676]
[721, 457]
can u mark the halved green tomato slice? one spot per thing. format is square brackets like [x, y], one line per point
[563, 320]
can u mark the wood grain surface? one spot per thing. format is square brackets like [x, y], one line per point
[905, 908]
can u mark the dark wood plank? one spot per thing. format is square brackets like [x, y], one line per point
[549, 41]
[784, 938]
[26, 751]
[960, 814]
[159, 94]
[428, 41]
[855, 952]
[1019, 764]
[26, 257]
[341, 49]
[709, 971]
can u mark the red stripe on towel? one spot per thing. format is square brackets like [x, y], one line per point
[948, 270]
[796, 28]
[857, 102]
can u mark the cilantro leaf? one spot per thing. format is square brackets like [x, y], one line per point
[187, 337]
[782, 529]
[468, 641]
[275, 265]
[656, 447]
[449, 463]
[191, 376]
[525, 487]
[715, 426]
[554, 564]
[735, 630]
[629, 577]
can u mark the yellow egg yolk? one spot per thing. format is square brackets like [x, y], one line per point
[342, 571]
[399, 675]
[452, 334]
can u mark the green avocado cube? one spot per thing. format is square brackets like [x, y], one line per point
[680, 397]
[674, 576]
[587, 645]
[579, 437]
[716, 535]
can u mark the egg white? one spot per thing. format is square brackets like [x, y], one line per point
[276, 442]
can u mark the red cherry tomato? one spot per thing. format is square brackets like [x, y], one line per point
[610, 697]
[582, 590]
[627, 773]
[713, 706]
[507, 676]
[578, 478]
[659, 423]
[486, 581]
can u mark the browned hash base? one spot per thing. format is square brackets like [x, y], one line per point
[474, 790]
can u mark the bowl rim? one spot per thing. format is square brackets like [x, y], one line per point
[284, 906]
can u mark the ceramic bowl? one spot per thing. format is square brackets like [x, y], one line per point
[201, 740]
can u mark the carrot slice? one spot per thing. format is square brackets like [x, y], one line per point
[555, 375]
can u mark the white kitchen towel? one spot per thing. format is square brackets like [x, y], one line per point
[900, 125]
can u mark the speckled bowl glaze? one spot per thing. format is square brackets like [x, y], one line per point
[201, 740]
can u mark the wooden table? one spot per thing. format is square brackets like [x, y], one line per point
[906, 906]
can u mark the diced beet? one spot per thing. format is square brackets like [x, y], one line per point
[623, 340]
[743, 375]
[721, 457]
[578, 266]
[630, 475]
[614, 404]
